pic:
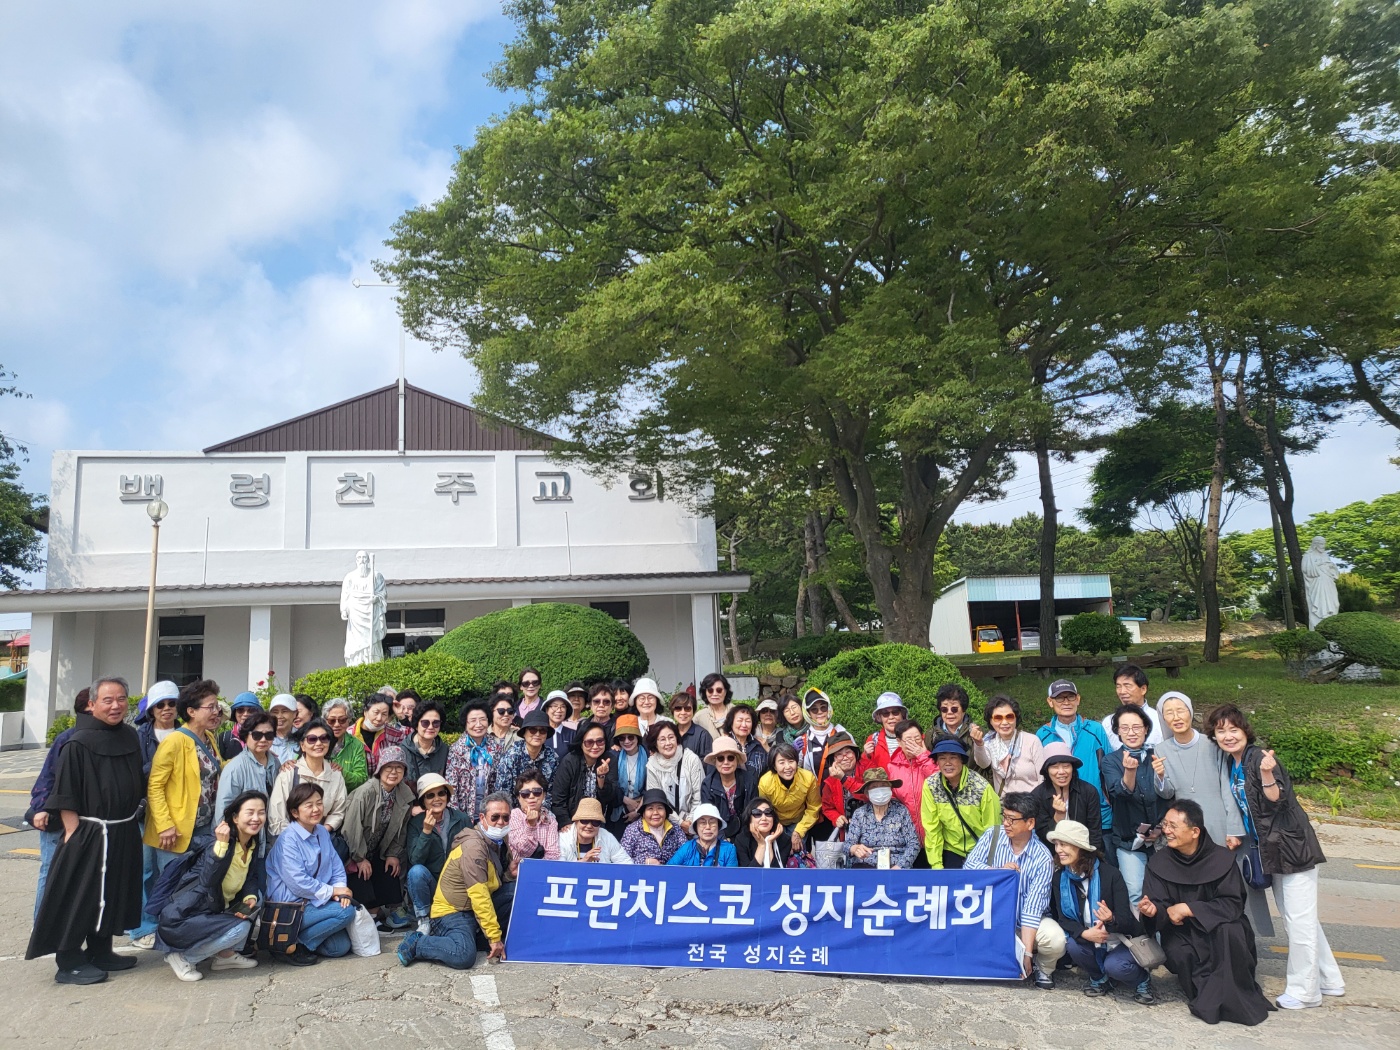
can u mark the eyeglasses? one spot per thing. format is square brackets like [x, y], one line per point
[531, 792]
[208, 707]
[590, 823]
[505, 710]
[533, 683]
[1003, 718]
[496, 818]
[1065, 698]
[716, 689]
[682, 709]
[593, 743]
[1011, 818]
[952, 709]
[316, 738]
[436, 793]
[893, 712]
[262, 734]
[430, 723]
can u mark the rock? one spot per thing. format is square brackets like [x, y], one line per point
[790, 681]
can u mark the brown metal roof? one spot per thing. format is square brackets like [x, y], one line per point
[432, 423]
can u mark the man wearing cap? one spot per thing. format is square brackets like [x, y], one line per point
[1013, 845]
[531, 751]
[284, 746]
[957, 807]
[1086, 740]
[473, 896]
[881, 745]
[708, 849]
[231, 741]
[587, 840]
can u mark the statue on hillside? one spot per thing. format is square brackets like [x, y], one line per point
[1320, 574]
[364, 603]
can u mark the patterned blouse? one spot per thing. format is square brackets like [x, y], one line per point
[516, 761]
[641, 845]
[896, 832]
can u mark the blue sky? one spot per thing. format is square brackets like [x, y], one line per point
[187, 190]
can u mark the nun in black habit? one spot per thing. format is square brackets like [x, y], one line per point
[94, 885]
[1193, 896]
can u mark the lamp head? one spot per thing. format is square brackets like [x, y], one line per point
[157, 509]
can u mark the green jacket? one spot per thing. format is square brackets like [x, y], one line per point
[349, 755]
[956, 828]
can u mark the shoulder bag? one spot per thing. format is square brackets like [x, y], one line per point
[281, 926]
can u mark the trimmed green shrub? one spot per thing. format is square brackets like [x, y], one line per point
[854, 679]
[1326, 753]
[1297, 644]
[815, 650]
[1364, 637]
[1092, 633]
[60, 723]
[1354, 593]
[434, 675]
[563, 641]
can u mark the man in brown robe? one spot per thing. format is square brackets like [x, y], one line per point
[94, 885]
[1193, 896]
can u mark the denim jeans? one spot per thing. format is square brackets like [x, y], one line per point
[212, 946]
[1118, 965]
[323, 928]
[153, 862]
[1132, 864]
[452, 939]
[422, 884]
[48, 843]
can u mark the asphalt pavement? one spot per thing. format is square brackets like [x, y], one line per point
[351, 1003]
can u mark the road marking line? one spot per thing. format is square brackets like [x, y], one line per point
[26, 852]
[1380, 867]
[13, 791]
[494, 1027]
[1357, 956]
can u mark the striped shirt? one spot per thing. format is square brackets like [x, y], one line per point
[1035, 865]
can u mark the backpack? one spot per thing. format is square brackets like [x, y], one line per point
[169, 881]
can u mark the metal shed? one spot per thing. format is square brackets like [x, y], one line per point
[1011, 603]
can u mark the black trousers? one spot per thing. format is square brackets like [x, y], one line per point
[379, 890]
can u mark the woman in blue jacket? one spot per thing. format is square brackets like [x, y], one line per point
[210, 914]
[707, 849]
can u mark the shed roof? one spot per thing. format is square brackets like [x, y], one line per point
[1027, 588]
[369, 422]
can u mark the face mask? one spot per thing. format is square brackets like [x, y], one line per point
[880, 796]
[496, 832]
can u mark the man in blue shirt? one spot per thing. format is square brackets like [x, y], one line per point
[1015, 845]
[1086, 740]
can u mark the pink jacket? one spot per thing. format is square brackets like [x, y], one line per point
[524, 839]
[911, 775]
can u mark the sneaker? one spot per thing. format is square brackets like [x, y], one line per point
[184, 969]
[233, 962]
[146, 943]
[112, 962]
[399, 919]
[300, 956]
[406, 947]
[1287, 1002]
[1144, 995]
[424, 925]
[1338, 992]
[1042, 980]
[84, 974]
[1095, 989]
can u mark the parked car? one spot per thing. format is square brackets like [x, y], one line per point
[1030, 639]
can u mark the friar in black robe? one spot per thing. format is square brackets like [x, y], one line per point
[1212, 950]
[94, 885]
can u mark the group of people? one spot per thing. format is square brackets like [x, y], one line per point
[1137, 828]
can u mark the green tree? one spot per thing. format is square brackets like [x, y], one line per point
[24, 516]
[838, 236]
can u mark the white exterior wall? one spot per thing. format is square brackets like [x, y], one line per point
[950, 625]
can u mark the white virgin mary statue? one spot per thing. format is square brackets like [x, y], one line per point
[1320, 574]
[364, 602]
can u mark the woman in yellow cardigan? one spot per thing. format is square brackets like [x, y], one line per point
[793, 792]
[184, 780]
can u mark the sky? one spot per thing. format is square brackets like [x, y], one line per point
[188, 189]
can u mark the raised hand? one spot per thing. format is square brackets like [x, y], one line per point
[1269, 764]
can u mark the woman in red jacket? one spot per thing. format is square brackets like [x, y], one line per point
[840, 785]
[881, 745]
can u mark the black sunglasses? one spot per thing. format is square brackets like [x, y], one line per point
[505, 710]
[528, 684]
[430, 723]
[262, 734]
[531, 792]
[163, 704]
[591, 823]
[316, 738]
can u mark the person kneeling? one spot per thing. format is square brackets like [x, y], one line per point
[474, 895]
[210, 914]
[1193, 896]
[706, 849]
[1013, 845]
[1089, 900]
[303, 867]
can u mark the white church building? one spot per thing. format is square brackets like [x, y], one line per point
[465, 515]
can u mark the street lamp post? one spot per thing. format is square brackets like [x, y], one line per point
[157, 510]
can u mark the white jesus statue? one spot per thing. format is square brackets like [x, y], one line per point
[1320, 574]
[364, 602]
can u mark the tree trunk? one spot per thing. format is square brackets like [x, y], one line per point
[801, 612]
[1210, 590]
[1049, 532]
[735, 655]
[833, 588]
[811, 526]
[1281, 574]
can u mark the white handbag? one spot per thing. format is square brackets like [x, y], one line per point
[364, 934]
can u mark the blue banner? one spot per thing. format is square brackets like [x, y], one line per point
[893, 923]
